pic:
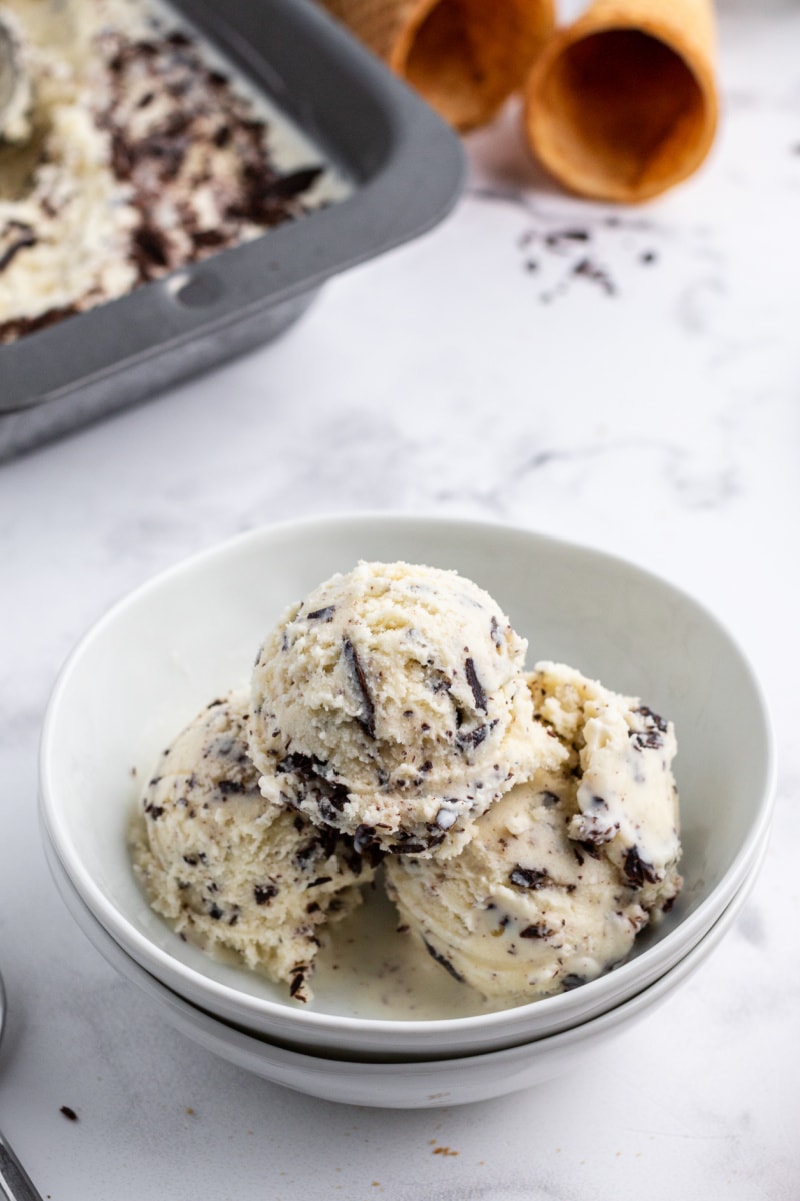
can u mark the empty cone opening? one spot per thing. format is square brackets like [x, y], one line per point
[625, 111]
[467, 56]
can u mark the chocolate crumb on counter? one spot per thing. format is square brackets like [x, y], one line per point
[597, 274]
[558, 237]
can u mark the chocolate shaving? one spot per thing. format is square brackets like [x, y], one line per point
[638, 870]
[20, 327]
[473, 738]
[475, 684]
[299, 764]
[325, 614]
[296, 985]
[646, 740]
[536, 932]
[445, 963]
[367, 717]
[286, 187]
[650, 716]
[322, 845]
[595, 274]
[230, 787]
[193, 859]
[572, 981]
[150, 249]
[264, 893]
[363, 838]
[567, 235]
[529, 877]
[24, 237]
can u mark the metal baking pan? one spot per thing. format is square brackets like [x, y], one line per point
[406, 167]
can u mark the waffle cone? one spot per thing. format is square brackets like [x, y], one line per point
[465, 57]
[622, 104]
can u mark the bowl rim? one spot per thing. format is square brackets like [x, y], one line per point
[692, 928]
[249, 1046]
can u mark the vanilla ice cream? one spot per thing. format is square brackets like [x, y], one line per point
[623, 753]
[391, 704]
[133, 150]
[230, 870]
[562, 873]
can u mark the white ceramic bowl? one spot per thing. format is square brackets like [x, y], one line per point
[412, 1084]
[157, 658]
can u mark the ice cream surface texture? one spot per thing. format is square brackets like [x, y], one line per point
[563, 872]
[230, 870]
[623, 752]
[391, 704]
[138, 151]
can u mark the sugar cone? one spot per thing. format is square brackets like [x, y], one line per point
[622, 104]
[465, 57]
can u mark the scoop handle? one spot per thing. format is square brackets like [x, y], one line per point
[15, 1183]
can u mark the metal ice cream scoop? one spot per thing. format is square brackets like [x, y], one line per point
[14, 86]
[15, 1183]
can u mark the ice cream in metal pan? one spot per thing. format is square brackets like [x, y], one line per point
[140, 152]
[402, 169]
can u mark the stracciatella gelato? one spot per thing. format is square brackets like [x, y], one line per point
[391, 704]
[132, 149]
[622, 753]
[527, 820]
[230, 870]
[562, 873]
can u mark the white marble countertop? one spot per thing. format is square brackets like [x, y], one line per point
[651, 410]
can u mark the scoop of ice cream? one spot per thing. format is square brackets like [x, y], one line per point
[230, 870]
[392, 702]
[563, 872]
[623, 751]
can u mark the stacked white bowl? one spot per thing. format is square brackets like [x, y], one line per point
[157, 658]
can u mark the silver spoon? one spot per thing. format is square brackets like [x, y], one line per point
[15, 1183]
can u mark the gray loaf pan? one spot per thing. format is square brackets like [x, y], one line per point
[406, 168]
